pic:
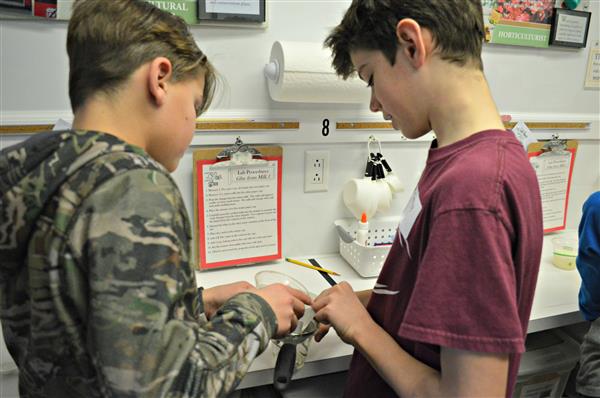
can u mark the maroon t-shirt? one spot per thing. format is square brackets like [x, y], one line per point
[462, 270]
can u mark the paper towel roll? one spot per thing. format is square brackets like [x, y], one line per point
[302, 72]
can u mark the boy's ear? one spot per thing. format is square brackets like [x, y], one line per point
[415, 43]
[159, 75]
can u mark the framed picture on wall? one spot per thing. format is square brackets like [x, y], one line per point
[570, 28]
[517, 22]
[185, 9]
[245, 11]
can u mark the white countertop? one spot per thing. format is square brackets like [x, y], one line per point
[555, 304]
[556, 300]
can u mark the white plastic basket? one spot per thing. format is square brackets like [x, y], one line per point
[368, 260]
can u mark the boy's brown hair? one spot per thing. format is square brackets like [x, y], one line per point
[108, 40]
[456, 26]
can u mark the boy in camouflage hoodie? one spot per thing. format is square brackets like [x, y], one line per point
[97, 293]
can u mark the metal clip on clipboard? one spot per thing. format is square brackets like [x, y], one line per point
[556, 146]
[238, 154]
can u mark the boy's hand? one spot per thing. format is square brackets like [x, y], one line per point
[322, 331]
[363, 296]
[213, 298]
[287, 304]
[341, 307]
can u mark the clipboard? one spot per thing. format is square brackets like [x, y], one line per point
[237, 205]
[553, 163]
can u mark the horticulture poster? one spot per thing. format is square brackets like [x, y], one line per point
[518, 22]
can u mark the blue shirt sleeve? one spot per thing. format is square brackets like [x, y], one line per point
[588, 258]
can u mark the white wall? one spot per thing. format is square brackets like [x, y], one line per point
[34, 66]
[530, 84]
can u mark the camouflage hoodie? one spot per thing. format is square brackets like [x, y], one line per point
[97, 293]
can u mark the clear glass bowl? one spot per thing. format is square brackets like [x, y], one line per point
[266, 278]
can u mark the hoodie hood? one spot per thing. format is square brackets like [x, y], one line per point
[31, 173]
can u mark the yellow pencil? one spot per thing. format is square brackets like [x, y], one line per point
[290, 260]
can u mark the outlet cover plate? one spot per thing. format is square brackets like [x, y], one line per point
[316, 171]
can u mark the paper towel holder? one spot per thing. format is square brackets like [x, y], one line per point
[272, 70]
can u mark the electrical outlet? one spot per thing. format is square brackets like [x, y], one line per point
[316, 171]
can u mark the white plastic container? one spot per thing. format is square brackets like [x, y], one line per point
[545, 366]
[368, 260]
[564, 252]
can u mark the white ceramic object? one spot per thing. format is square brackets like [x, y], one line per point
[361, 195]
[394, 182]
[384, 195]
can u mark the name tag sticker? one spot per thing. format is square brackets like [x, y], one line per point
[410, 213]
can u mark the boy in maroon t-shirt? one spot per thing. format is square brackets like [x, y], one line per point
[449, 312]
